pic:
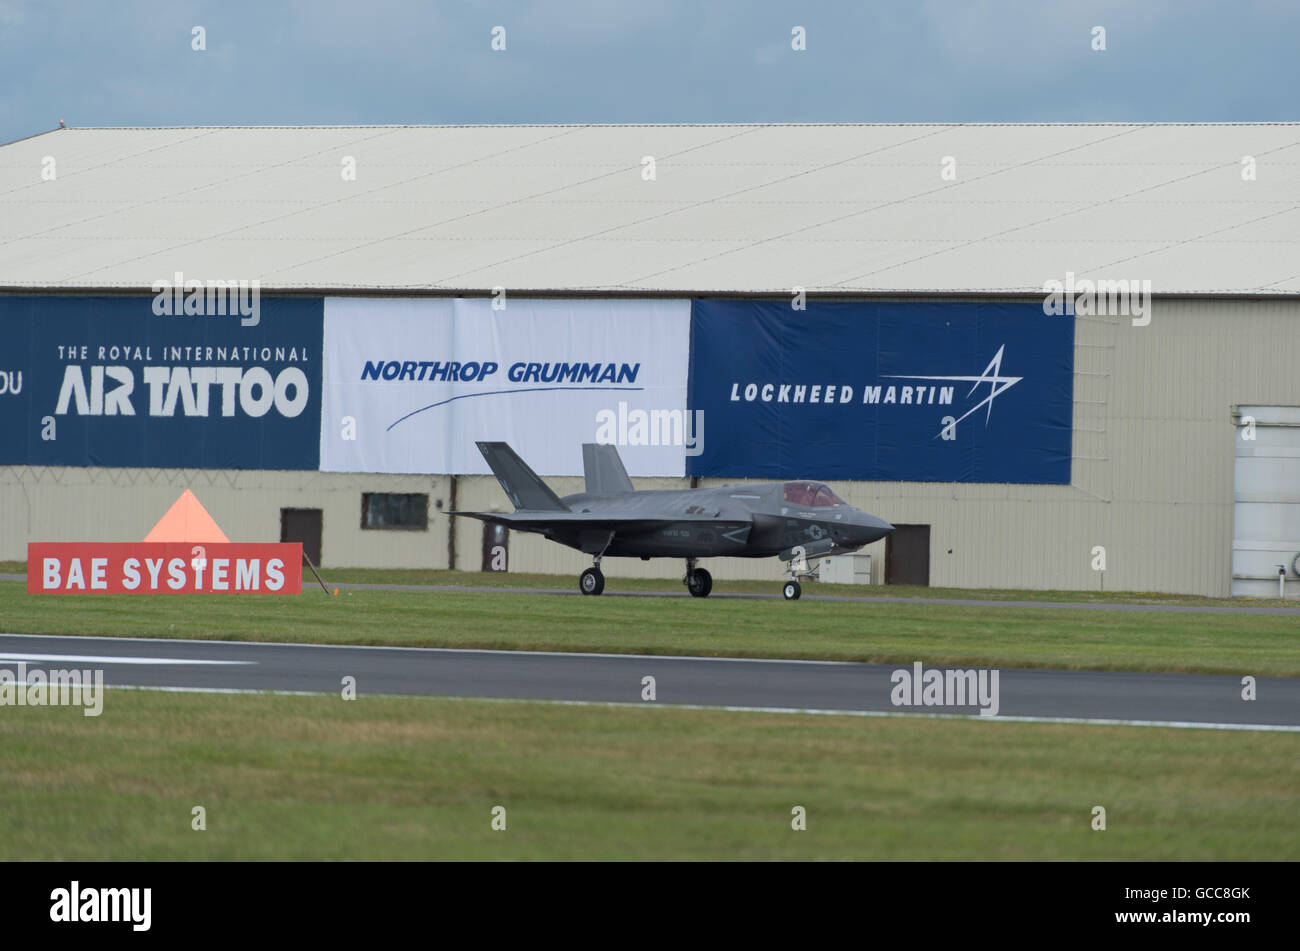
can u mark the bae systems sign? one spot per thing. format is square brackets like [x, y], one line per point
[412, 385]
[110, 382]
[917, 392]
[163, 568]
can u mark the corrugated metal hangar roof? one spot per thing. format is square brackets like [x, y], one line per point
[836, 209]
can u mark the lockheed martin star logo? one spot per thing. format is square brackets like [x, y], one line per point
[992, 375]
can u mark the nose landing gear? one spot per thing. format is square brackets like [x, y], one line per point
[798, 565]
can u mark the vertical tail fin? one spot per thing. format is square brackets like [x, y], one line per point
[604, 470]
[522, 485]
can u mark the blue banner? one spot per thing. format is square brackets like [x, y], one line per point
[888, 391]
[174, 381]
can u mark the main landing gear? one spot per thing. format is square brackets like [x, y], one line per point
[592, 581]
[698, 581]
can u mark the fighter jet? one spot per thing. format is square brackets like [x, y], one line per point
[795, 521]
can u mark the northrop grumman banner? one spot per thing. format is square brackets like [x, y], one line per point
[917, 392]
[412, 385]
[172, 381]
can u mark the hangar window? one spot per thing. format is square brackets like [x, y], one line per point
[402, 511]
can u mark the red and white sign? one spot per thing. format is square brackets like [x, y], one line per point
[163, 568]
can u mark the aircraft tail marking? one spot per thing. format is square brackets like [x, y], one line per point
[522, 485]
[604, 470]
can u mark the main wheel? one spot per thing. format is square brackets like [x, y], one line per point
[699, 582]
[591, 582]
[791, 591]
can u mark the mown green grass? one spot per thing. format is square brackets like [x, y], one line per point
[489, 579]
[613, 582]
[401, 778]
[981, 635]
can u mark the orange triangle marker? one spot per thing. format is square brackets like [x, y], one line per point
[186, 521]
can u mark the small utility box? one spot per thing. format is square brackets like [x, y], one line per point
[854, 568]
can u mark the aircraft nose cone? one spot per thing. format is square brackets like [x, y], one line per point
[871, 528]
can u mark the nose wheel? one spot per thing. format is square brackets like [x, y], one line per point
[791, 591]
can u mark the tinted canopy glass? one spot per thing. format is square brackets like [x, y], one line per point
[815, 495]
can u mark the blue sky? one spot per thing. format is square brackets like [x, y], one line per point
[380, 61]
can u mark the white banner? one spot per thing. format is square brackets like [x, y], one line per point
[411, 384]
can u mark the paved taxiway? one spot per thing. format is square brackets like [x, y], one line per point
[829, 687]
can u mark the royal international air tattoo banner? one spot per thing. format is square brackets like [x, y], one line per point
[902, 391]
[192, 377]
[412, 384]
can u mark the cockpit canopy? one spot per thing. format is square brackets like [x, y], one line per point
[815, 495]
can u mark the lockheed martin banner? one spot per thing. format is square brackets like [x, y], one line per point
[913, 392]
[172, 381]
[412, 385]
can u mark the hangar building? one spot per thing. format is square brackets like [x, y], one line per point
[725, 265]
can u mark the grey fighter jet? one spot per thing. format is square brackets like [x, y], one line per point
[796, 521]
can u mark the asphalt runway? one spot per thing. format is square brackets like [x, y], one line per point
[1186, 700]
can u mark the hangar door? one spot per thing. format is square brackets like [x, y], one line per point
[907, 555]
[1266, 501]
[302, 525]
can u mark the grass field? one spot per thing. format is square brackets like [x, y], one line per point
[986, 635]
[290, 777]
[771, 587]
[396, 778]
[482, 579]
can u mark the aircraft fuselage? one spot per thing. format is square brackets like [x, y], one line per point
[745, 521]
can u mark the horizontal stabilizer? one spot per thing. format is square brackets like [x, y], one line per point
[604, 470]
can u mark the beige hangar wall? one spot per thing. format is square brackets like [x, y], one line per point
[71, 504]
[1152, 480]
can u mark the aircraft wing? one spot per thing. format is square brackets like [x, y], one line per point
[627, 523]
